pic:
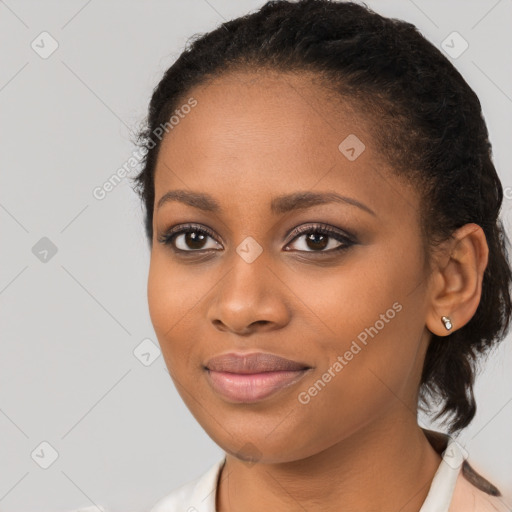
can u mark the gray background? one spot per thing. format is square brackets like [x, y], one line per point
[70, 324]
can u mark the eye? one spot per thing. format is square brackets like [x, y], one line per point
[319, 237]
[184, 238]
[193, 238]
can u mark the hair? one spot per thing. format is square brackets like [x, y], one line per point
[425, 120]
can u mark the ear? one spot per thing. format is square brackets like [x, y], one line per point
[456, 280]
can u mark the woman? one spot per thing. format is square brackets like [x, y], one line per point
[326, 257]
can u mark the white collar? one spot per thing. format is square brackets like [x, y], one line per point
[441, 489]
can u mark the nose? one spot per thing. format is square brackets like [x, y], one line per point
[250, 298]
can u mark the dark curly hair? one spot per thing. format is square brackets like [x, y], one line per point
[426, 121]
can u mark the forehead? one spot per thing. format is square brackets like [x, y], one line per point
[262, 133]
[267, 108]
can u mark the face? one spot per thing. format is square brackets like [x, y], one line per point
[344, 298]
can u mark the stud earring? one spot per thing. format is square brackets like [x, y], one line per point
[447, 322]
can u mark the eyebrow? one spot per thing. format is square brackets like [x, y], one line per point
[278, 205]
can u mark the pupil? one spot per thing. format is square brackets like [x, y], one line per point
[192, 238]
[323, 240]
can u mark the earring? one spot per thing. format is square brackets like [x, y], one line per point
[447, 322]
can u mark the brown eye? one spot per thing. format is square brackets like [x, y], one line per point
[321, 239]
[189, 239]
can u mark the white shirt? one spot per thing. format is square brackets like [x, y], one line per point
[449, 491]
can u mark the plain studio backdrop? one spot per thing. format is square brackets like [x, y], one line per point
[88, 412]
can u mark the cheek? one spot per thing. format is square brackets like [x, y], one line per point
[176, 295]
[372, 379]
[369, 318]
[170, 302]
[160, 300]
[171, 291]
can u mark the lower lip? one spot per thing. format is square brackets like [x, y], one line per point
[252, 387]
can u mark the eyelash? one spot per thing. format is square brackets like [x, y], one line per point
[168, 237]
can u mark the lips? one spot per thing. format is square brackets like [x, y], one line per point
[257, 362]
[245, 378]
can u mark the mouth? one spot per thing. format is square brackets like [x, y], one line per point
[246, 378]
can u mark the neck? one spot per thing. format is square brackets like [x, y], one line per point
[377, 469]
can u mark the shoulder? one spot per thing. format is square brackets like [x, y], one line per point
[473, 493]
[197, 495]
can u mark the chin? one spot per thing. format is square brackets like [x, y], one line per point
[252, 444]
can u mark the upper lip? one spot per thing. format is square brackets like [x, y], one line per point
[252, 363]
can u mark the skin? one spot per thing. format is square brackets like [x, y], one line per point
[250, 138]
